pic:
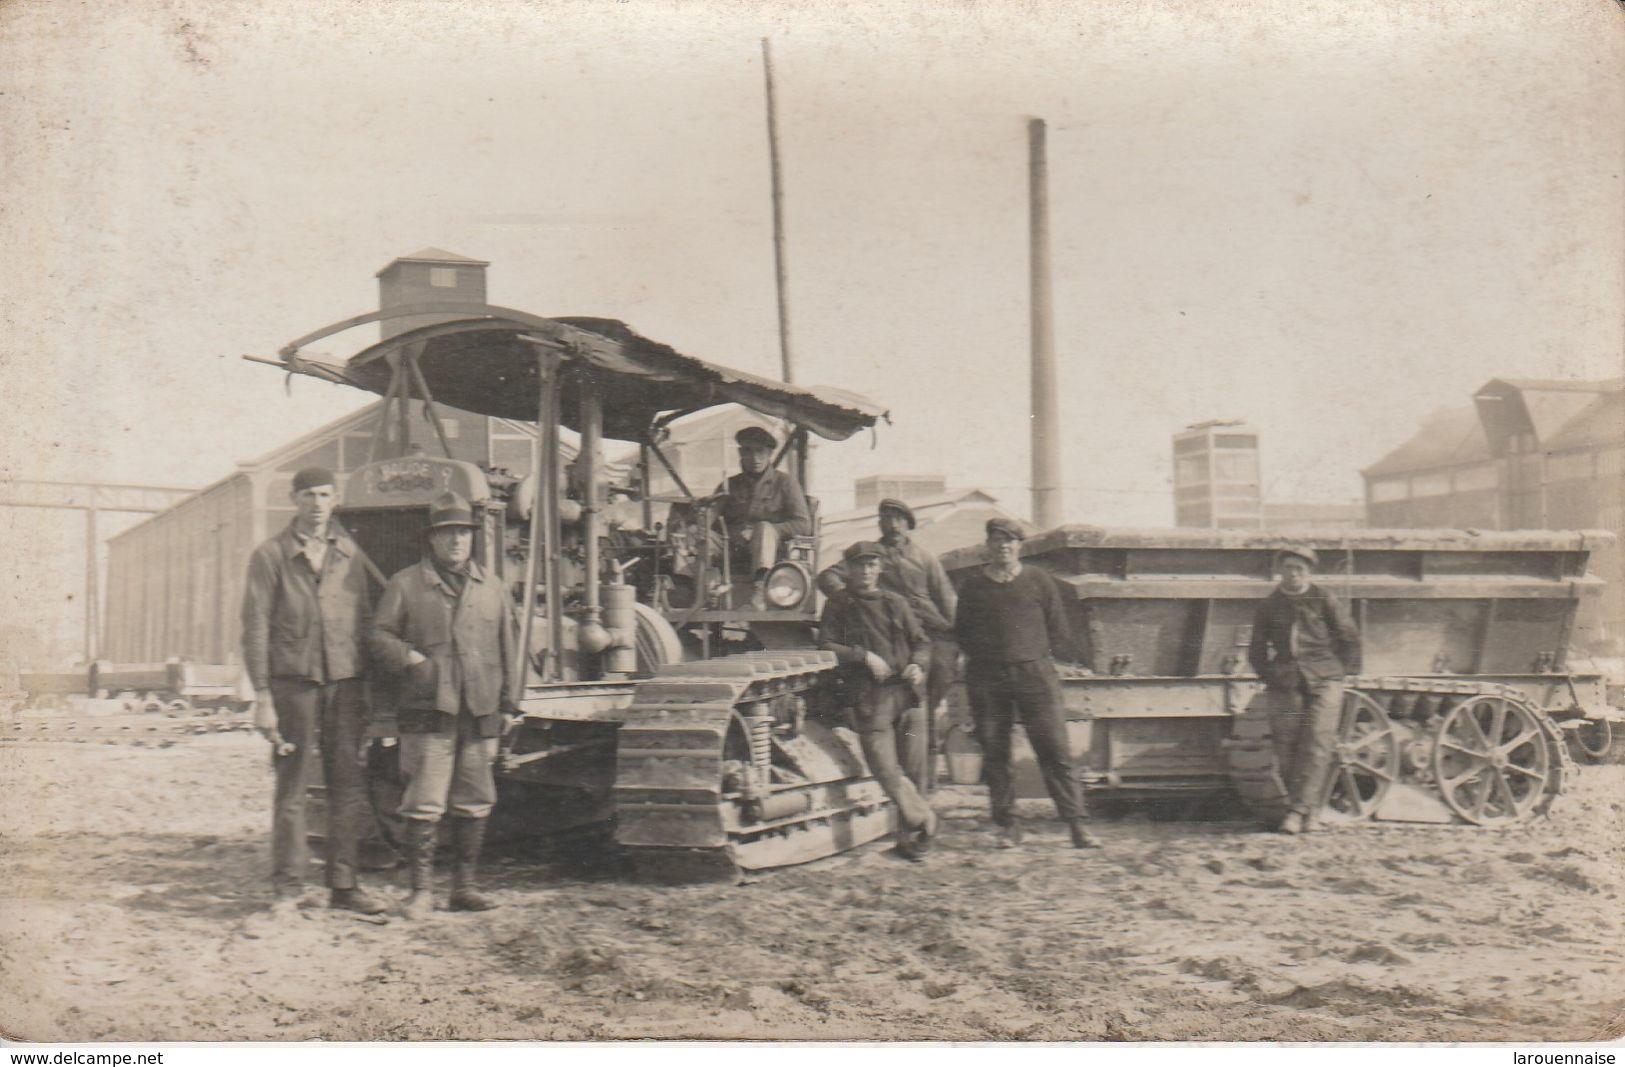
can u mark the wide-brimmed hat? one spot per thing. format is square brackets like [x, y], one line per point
[450, 509]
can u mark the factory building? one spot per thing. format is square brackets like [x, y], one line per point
[1526, 455]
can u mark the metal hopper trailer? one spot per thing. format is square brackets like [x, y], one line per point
[1462, 714]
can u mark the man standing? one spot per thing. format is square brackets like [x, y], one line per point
[918, 577]
[445, 626]
[761, 507]
[1010, 624]
[305, 606]
[1303, 643]
[882, 652]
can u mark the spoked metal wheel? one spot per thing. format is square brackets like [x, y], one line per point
[1492, 761]
[1367, 759]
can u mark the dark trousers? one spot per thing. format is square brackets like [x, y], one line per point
[1000, 692]
[891, 728]
[330, 719]
[1305, 715]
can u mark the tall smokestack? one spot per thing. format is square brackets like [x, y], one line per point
[1046, 417]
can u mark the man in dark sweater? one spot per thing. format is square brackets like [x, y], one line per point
[1010, 625]
[883, 654]
[1303, 643]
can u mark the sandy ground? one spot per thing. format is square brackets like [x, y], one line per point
[133, 884]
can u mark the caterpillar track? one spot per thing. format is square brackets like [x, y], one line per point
[739, 764]
[1419, 750]
[131, 730]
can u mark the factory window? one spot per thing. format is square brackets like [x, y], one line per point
[1389, 489]
[443, 277]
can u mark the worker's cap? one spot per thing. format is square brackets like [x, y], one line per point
[1304, 553]
[756, 436]
[312, 478]
[898, 506]
[1008, 527]
[863, 550]
[450, 509]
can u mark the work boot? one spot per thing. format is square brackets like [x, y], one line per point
[1311, 823]
[1292, 824]
[420, 841]
[1081, 837]
[356, 899]
[468, 836]
[1008, 836]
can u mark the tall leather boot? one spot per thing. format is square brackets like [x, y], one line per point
[468, 837]
[420, 842]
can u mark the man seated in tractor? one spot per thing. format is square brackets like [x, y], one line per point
[761, 507]
[1304, 642]
[883, 654]
[444, 625]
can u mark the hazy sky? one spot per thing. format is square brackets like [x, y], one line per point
[1326, 218]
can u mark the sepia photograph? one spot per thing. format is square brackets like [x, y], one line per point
[878, 522]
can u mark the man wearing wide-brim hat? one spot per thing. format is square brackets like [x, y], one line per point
[1304, 643]
[446, 628]
[304, 614]
[882, 652]
[761, 507]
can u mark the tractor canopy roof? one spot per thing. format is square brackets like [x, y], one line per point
[486, 361]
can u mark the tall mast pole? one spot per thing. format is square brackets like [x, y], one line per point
[1046, 416]
[786, 361]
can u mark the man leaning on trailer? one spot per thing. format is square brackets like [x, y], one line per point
[305, 607]
[1303, 643]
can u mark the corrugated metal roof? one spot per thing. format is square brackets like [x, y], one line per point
[486, 363]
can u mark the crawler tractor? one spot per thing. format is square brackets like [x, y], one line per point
[656, 698]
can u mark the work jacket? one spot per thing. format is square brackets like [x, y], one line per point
[469, 640]
[1309, 636]
[918, 577]
[854, 624]
[773, 496]
[296, 627]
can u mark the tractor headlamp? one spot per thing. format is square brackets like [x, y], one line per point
[787, 585]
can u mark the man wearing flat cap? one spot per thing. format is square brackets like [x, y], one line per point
[444, 625]
[882, 652]
[761, 507]
[305, 608]
[917, 576]
[1304, 643]
[1011, 625]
